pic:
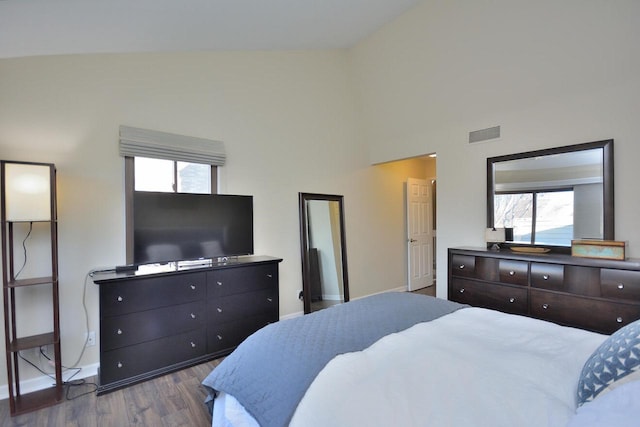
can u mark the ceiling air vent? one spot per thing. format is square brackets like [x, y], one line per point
[484, 134]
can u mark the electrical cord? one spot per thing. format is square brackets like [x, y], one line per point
[36, 366]
[86, 318]
[69, 382]
[91, 273]
[24, 249]
[79, 383]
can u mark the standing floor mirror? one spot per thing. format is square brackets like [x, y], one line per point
[323, 250]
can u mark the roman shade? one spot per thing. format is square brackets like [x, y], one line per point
[135, 142]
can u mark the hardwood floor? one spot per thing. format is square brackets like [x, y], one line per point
[429, 290]
[172, 400]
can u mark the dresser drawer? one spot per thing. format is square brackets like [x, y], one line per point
[593, 314]
[135, 328]
[226, 336]
[510, 299]
[231, 281]
[143, 358]
[621, 284]
[144, 294]
[234, 307]
[547, 276]
[514, 272]
[463, 265]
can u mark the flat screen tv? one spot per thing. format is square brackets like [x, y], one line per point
[177, 226]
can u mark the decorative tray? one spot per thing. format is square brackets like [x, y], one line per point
[530, 249]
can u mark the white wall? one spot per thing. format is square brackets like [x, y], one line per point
[288, 122]
[549, 73]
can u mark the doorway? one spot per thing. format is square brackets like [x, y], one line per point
[421, 272]
[419, 226]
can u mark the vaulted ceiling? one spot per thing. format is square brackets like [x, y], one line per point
[48, 27]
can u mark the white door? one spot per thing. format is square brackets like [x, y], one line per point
[419, 230]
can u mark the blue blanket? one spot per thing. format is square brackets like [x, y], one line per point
[271, 370]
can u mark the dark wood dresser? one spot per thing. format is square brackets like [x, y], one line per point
[593, 294]
[161, 320]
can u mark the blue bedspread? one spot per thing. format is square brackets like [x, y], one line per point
[271, 370]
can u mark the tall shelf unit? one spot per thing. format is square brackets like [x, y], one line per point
[14, 286]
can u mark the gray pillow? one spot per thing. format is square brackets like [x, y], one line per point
[615, 361]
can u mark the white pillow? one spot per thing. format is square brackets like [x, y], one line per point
[620, 407]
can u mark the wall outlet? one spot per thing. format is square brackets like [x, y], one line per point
[91, 341]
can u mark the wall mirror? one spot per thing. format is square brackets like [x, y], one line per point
[549, 197]
[323, 249]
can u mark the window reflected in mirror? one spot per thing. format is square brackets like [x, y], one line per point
[550, 197]
[537, 217]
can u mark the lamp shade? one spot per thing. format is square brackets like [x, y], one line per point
[494, 235]
[27, 192]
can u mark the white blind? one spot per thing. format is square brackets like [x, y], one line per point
[135, 142]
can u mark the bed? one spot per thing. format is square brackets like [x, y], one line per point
[414, 360]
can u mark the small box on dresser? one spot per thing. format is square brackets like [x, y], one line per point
[605, 249]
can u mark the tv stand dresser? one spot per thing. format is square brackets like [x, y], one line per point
[594, 294]
[160, 319]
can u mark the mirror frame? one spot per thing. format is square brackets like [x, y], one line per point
[304, 244]
[607, 184]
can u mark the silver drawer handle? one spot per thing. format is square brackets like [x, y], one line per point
[219, 283]
[193, 287]
[462, 291]
[269, 276]
[119, 365]
[512, 300]
[512, 273]
[270, 299]
[461, 266]
[219, 310]
[193, 316]
[620, 285]
[619, 319]
[193, 345]
[219, 337]
[119, 331]
[545, 306]
[120, 298]
[545, 277]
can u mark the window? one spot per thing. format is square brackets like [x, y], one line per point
[172, 176]
[160, 161]
[537, 217]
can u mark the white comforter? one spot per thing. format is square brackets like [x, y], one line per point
[474, 367]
